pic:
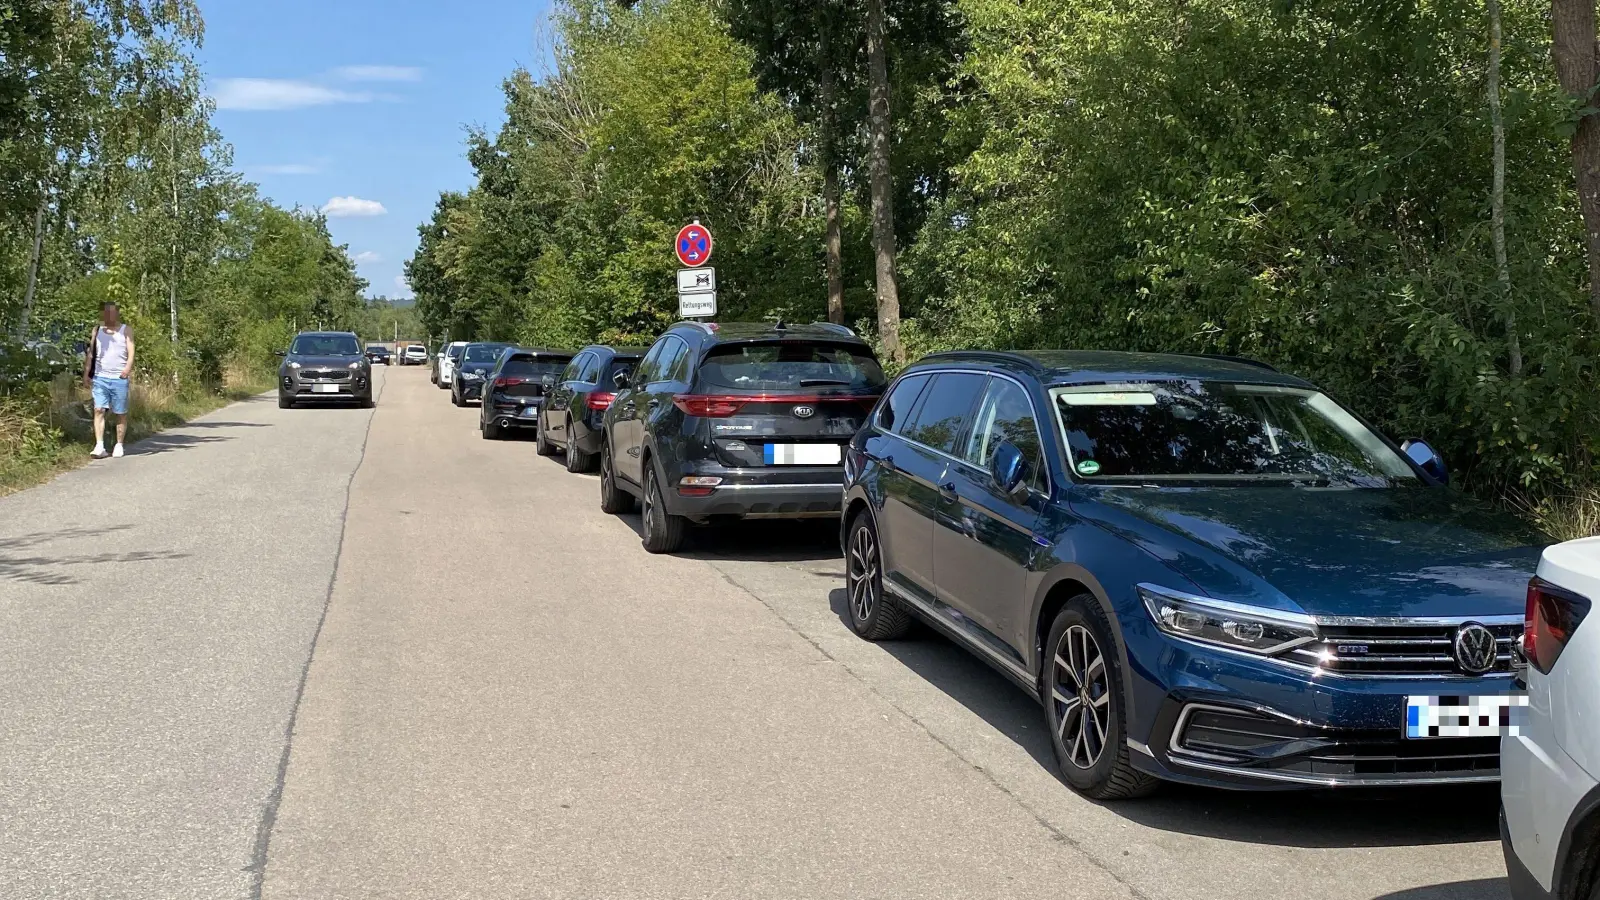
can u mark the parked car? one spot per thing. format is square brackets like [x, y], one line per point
[414, 355]
[449, 361]
[573, 413]
[516, 388]
[1550, 787]
[467, 380]
[324, 365]
[736, 420]
[1206, 570]
[378, 354]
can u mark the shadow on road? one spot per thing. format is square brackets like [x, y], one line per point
[44, 569]
[759, 540]
[189, 425]
[1312, 819]
[1482, 889]
[166, 442]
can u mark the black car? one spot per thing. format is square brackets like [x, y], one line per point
[515, 389]
[377, 355]
[574, 409]
[475, 362]
[324, 365]
[736, 420]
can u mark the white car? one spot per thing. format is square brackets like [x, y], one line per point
[414, 355]
[1550, 771]
[449, 361]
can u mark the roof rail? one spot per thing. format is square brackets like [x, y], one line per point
[992, 355]
[1242, 360]
[835, 327]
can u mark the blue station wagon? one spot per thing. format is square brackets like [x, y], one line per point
[1206, 570]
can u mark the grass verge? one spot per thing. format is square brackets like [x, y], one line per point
[45, 430]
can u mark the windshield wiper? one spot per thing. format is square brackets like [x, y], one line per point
[817, 382]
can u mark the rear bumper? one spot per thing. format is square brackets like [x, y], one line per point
[746, 493]
[509, 417]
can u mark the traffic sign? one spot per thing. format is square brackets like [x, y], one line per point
[697, 281]
[693, 245]
[697, 306]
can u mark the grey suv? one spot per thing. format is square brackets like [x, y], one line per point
[324, 365]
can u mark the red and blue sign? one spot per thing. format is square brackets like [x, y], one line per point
[693, 245]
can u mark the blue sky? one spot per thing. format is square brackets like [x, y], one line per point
[360, 107]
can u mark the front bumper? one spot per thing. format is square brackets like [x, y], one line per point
[358, 387]
[1210, 716]
[787, 492]
[471, 389]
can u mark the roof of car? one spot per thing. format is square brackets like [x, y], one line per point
[1109, 366]
[326, 334]
[618, 352]
[544, 351]
[745, 331]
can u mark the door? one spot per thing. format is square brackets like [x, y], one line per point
[626, 431]
[921, 455]
[658, 416]
[559, 400]
[984, 543]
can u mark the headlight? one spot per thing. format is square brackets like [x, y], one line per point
[474, 376]
[293, 364]
[356, 365]
[1265, 632]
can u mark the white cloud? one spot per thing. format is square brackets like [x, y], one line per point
[352, 207]
[367, 256]
[379, 73]
[278, 94]
[402, 287]
[285, 169]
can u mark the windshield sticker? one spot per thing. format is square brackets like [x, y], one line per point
[1088, 467]
[1109, 398]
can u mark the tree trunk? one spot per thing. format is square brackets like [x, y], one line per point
[1573, 45]
[1497, 201]
[33, 267]
[883, 242]
[832, 243]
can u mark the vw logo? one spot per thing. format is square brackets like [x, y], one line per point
[804, 412]
[1476, 650]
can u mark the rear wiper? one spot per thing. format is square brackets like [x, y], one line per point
[815, 382]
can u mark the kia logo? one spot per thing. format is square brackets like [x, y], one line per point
[1476, 650]
[804, 412]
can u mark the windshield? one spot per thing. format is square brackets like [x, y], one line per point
[454, 351]
[1208, 431]
[325, 345]
[529, 367]
[781, 365]
[483, 353]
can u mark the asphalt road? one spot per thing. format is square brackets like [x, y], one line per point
[509, 698]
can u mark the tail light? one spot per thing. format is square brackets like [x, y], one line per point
[721, 406]
[508, 380]
[1553, 614]
[600, 402]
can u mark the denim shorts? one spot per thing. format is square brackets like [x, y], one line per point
[111, 393]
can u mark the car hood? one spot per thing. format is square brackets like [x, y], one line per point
[324, 362]
[1410, 551]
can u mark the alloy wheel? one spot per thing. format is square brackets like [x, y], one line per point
[862, 574]
[648, 505]
[1080, 691]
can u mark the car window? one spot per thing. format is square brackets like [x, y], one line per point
[792, 364]
[596, 369]
[900, 401]
[1006, 415]
[574, 369]
[454, 351]
[677, 368]
[941, 414]
[482, 353]
[533, 366]
[646, 371]
[325, 345]
[608, 376]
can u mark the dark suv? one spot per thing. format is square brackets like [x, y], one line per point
[736, 420]
[515, 388]
[575, 407]
[1206, 570]
[472, 370]
[324, 365]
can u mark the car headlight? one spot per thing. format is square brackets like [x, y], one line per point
[472, 376]
[293, 364]
[357, 364]
[1265, 632]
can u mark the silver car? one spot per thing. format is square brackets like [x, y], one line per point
[324, 365]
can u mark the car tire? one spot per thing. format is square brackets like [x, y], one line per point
[489, 430]
[541, 444]
[1083, 695]
[663, 531]
[872, 614]
[456, 398]
[577, 461]
[613, 499]
[285, 401]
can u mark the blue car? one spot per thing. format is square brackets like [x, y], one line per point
[1206, 570]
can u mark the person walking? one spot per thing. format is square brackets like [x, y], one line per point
[106, 374]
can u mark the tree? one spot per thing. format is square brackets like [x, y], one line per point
[1578, 69]
[882, 179]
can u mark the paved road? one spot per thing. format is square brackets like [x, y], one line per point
[509, 698]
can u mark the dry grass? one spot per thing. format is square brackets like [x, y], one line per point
[1566, 516]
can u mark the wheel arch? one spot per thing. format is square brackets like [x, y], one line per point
[1060, 585]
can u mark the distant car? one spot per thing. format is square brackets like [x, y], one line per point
[1550, 772]
[324, 365]
[516, 387]
[414, 355]
[466, 384]
[735, 420]
[573, 413]
[449, 362]
[376, 354]
[1204, 569]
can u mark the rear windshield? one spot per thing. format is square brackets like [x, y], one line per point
[535, 367]
[789, 365]
[481, 353]
[325, 345]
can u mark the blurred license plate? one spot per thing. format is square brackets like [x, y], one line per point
[529, 412]
[324, 389]
[1489, 715]
[803, 454]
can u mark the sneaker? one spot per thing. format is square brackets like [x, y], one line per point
[116, 452]
[99, 452]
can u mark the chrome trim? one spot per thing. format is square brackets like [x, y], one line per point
[1409, 621]
[932, 612]
[1189, 709]
[1139, 747]
[775, 487]
[1330, 780]
[1260, 612]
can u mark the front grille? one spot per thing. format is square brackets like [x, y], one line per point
[324, 375]
[1259, 745]
[1397, 649]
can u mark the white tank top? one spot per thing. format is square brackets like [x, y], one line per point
[111, 351]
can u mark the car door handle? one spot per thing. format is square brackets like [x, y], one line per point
[948, 489]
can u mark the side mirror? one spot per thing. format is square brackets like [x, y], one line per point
[621, 378]
[1008, 467]
[1427, 459]
[280, 353]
